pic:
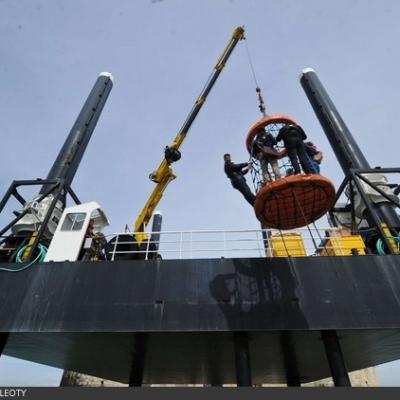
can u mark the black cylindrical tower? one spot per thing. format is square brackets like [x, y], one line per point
[343, 144]
[345, 147]
[71, 153]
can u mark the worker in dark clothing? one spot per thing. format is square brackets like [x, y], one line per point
[236, 172]
[263, 150]
[293, 136]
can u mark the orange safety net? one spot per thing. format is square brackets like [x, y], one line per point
[294, 201]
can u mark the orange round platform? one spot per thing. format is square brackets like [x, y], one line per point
[262, 123]
[294, 201]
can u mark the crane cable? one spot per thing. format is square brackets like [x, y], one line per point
[256, 183]
[251, 62]
[261, 108]
[261, 104]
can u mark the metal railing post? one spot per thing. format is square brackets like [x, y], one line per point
[180, 246]
[115, 247]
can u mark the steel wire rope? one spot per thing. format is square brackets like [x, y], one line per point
[249, 58]
[323, 242]
[280, 230]
[262, 110]
[305, 219]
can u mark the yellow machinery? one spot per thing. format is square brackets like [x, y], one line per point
[337, 243]
[392, 240]
[288, 245]
[164, 174]
[342, 244]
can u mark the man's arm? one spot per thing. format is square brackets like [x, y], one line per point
[239, 167]
[283, 153]
[232, 167]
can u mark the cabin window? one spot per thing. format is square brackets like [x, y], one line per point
[73, 222]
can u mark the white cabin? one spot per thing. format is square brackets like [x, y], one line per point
[70, 234]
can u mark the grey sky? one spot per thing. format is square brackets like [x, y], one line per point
[161, 53]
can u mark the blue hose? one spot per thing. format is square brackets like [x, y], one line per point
[40, 257]
[380, 247]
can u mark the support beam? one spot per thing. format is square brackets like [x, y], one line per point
[19, 197]
[138, 363]
[73, 195]
[242, 359]
[290, 359]
[335, 358]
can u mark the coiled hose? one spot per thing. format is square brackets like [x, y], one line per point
[380, 247]
[40, 257]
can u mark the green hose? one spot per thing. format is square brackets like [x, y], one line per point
[380, 247]
[40, 257]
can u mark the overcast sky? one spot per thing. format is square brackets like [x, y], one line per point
[161, 53]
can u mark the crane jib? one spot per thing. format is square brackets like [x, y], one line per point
[164, 174]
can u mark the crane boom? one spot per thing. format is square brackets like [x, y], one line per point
[164, 174]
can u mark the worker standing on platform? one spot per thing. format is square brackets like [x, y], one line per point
[293, 136]
[315, 156]
[236, 172]
[265, 152]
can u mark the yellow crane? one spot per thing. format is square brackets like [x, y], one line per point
[163, 175]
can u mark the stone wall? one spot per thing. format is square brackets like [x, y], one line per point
[361, 378]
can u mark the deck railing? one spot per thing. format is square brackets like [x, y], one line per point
[243, 243]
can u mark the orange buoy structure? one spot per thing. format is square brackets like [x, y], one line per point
[292, 201]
